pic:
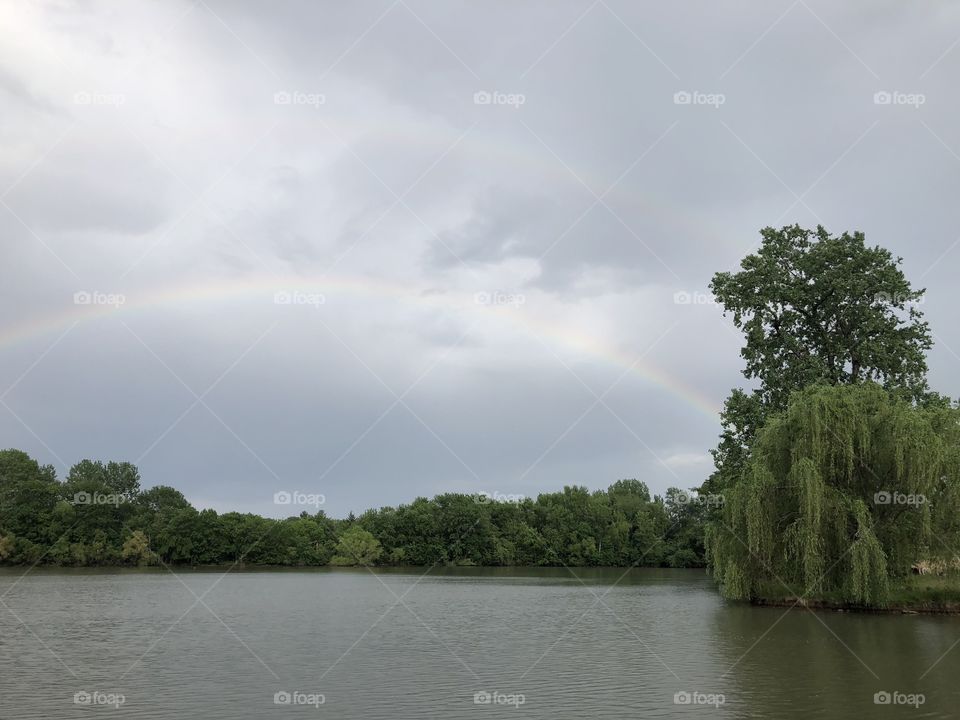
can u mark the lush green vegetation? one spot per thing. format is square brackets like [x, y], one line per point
[840, 469]
[843, 493]
[100, 516]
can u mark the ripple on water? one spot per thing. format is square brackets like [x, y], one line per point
[537, 643]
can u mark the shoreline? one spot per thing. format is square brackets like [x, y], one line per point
[893, 608]
[330, 566]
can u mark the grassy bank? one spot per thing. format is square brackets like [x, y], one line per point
[914, 594]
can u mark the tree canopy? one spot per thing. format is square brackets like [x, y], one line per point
[844, 490]
[817, 308]
[101, 516]
[357, 547]
[839, 468]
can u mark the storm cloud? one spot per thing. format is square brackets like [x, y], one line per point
[378, 250]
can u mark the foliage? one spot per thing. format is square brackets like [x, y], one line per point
[816, 308]
[844, 490]
[137, 549]
[357, 547]
[841, 415]
[44, 520]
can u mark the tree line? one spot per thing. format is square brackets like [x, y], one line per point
[837, 472]
[100, 515]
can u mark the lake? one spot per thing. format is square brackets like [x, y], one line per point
[451, 643]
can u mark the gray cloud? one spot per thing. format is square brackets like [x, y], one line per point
[502, 263]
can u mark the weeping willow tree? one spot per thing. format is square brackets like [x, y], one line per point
[843, 492]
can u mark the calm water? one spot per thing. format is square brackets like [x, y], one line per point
[542, 643]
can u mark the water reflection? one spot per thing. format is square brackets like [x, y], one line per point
[454, 642]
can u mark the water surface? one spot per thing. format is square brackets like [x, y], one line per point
[398, 643]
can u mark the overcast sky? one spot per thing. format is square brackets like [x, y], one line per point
[377, 250]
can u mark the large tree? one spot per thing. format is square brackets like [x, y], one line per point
[817, 308]
[843, 491]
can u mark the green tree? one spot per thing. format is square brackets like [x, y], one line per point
[416, 531]
[816, 308]
[464, 528]
[137, 549]
[7, 544]
[357, 547]
[160, 498]
[100, 516]
[246, 536]
[120, 478]
[686, 514]
[28, 496]
[838, 496]
[103, 499]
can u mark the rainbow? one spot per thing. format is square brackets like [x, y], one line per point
[258, 288]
